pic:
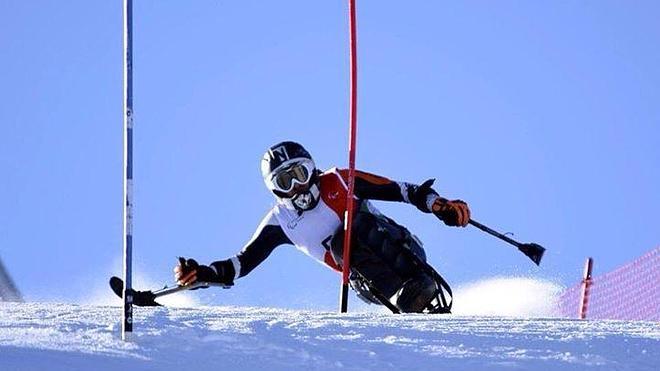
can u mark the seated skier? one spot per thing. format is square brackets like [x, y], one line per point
[388, 264]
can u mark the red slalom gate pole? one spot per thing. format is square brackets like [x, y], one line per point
[352, 135]
[586, 286]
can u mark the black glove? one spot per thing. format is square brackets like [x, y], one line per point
[189, 271]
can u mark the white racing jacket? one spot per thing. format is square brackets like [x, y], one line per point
[311, 231]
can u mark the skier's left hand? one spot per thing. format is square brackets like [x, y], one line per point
[454, 213]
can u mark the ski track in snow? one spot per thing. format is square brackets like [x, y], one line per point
[48, 336]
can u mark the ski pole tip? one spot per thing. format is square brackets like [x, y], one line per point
[533, 251]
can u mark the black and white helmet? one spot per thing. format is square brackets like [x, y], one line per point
[290, 173]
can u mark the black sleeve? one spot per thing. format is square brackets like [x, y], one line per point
[384, 192]
[374, 187]
[258, 249]
[266, 238]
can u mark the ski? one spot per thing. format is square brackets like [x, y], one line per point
[148, 298]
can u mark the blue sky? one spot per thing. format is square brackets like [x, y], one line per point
[543, 116]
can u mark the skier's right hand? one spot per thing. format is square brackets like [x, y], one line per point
[188, 271]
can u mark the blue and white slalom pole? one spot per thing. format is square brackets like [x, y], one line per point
[127, 313]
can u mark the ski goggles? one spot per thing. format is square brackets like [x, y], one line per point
[298, 173]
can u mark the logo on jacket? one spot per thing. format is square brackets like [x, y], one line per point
[293, 223]
[333, 195]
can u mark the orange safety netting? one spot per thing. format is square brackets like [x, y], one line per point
[631, 292]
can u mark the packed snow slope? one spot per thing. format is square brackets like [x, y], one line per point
[47, 336]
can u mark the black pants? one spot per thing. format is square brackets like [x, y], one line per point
[381, 254]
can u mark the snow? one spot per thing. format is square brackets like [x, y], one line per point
[54, 336]
[508, 296]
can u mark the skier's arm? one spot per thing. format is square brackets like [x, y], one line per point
[375, 187]
[266, 238]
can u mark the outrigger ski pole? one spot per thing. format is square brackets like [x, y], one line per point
[532, 250]
[148, 298]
